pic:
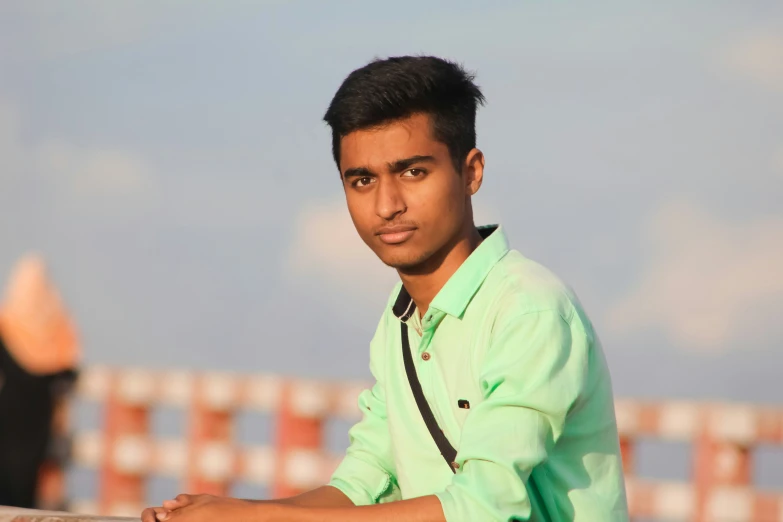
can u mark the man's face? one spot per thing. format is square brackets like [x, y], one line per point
[404, 195]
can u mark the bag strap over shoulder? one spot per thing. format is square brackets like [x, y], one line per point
[445, 447]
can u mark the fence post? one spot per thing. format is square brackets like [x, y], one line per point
[212, 461]
[299, 437]
[125, 459]
[722, 460]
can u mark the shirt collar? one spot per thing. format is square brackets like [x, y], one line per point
[456, 294]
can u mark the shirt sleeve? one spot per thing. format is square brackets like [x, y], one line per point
[531, 376]
[366, 473]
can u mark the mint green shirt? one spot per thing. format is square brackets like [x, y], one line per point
[539, 439]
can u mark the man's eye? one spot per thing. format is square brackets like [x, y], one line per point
[362, 182]
[413, 173]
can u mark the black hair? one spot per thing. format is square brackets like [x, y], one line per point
[395, 88]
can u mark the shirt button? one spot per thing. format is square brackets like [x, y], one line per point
[455, 465]
[425, 356]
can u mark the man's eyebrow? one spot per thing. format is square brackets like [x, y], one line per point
[357, 172]
[404, 164]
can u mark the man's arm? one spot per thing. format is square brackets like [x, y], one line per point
[208, 508]
[421, 509]
[324, 497]
[366, 474]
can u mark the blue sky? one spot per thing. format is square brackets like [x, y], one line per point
[169, 161]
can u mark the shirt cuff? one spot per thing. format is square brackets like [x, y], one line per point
[363, 483]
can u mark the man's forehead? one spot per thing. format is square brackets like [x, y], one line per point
[389, 143]
[392, 134]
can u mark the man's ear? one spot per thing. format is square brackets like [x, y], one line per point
[473, 171]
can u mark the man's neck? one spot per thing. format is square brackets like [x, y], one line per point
[424, 285]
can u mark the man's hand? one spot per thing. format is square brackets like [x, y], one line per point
[206, 508]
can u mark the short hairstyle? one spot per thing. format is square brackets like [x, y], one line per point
[395, 88]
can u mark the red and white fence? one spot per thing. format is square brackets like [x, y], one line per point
[723, 437]
[208, 459]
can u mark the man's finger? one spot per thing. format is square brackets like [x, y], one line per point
[179, 501]
[150, 514]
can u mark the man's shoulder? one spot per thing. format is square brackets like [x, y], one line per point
[518, 285]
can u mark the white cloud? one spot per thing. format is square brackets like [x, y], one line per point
[709, 285]
[87, 179]
[759, 57]
[89, 173]
[327, 249]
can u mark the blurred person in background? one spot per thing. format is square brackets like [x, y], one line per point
[38, 357]
[492, 399]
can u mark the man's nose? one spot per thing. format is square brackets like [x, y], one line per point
[389, 200]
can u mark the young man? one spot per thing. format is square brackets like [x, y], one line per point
[503, 360]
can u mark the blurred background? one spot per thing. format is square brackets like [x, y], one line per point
[169, 162]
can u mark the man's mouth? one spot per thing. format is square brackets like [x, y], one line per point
[394, 235]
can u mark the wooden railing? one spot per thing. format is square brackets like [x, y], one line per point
[208, 458]
[11, 514]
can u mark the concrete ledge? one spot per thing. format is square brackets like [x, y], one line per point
[11, 514]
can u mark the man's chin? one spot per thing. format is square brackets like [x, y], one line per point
[405, 264]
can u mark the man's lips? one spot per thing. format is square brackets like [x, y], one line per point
[395, 234]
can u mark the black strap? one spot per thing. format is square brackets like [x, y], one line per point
[445, 447]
